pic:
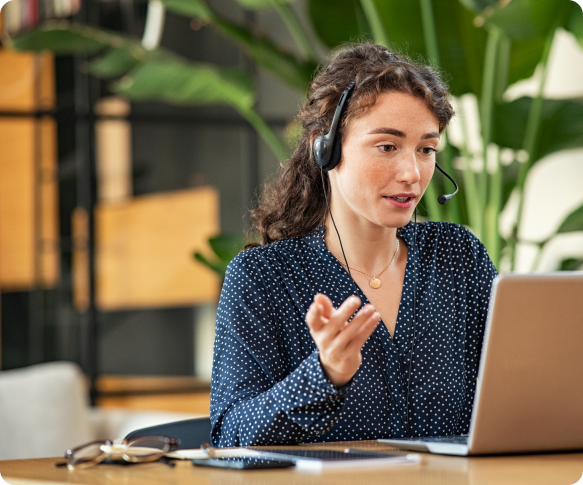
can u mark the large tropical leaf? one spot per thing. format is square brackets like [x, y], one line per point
[115, 63]
[259, 4]
[525, 19]
[461, 43]
[479, 6]
[277, 61]
[225, 247]
[335, 21]
[573, 222]
[181, 83]
[62, 37]
[574, 24]
[561, 125]
[524, 57]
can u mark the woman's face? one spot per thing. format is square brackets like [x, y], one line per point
[388, 158]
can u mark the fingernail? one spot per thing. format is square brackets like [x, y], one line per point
[354, 299]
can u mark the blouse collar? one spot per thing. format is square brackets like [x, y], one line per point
[316, 239]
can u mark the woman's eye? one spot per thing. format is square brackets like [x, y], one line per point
[428, 150]
[386, 148]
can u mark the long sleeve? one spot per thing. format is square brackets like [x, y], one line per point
[257, 397]
[268, 386]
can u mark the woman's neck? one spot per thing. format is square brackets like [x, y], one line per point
[368, 247]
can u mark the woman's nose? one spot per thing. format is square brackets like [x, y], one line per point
[408, 170]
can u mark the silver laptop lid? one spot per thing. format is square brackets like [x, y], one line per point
[529, 395]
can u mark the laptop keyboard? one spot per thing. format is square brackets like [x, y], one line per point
[459, 439]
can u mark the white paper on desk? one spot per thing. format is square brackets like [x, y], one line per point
[316, 464]
[219, 453]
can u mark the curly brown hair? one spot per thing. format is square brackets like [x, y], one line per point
[295, 205]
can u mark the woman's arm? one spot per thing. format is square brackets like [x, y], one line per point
[257, 397]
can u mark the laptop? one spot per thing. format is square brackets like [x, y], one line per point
[529, 393]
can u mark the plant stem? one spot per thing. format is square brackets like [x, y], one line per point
[430, 36]
[473, 203]
[295, 28]
[265, 132]
[487, 106]
[492, 232]
[379, 34]
[530, 137]
[429, 33]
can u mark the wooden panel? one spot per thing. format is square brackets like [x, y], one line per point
[145, 246]
[113, 151]
[20, 186]
[47, 191]
[16, 203]
[195, 403]
[80, 230]
[108, 384]
[27, 81]
[188, 394]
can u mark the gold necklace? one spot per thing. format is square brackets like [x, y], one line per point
[375, 282]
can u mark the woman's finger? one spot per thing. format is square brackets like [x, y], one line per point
[325, 303]
[363, 332]
[354, 327]
[314, 317]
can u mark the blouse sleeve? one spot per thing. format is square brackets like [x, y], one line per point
[256, 397]
[479, 273]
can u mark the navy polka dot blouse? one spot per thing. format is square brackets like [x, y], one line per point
[268, 386]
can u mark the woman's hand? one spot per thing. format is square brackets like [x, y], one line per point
[338, 340]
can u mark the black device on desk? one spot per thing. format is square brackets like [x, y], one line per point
[243, 462]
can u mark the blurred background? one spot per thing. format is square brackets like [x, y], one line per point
[134, 134]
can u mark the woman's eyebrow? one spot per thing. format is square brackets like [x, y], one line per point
[392, 131]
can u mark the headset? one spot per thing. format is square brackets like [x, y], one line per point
[327, 151]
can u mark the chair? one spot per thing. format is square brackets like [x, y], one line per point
[44, 410]
[191, 432]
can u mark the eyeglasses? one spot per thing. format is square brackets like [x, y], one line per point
[138, 450]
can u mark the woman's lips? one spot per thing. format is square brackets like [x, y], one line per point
[402, 201]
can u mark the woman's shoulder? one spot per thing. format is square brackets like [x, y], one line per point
[448, 235]
[445, 231]
[274, 254]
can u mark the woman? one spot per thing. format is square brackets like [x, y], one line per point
[290, 363]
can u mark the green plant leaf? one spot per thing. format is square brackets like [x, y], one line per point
[524, 57]
[570, 264]
[575, 22]
[525, 19]
[335, 21]
[259, 4]
[286, 66]
[573, 222]
[461, 43]
[181, 83]
[190, 8]
[227, 246]
[217, 266]
[62, 37]
[478, 6]
[561, 125]
[114, 63]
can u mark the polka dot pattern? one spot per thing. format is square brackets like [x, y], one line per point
[268, 386]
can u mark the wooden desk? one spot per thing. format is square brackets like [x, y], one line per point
[556, 469]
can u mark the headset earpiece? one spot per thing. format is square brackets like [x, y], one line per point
[325, 148]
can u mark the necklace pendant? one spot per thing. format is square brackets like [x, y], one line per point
[375, 283]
